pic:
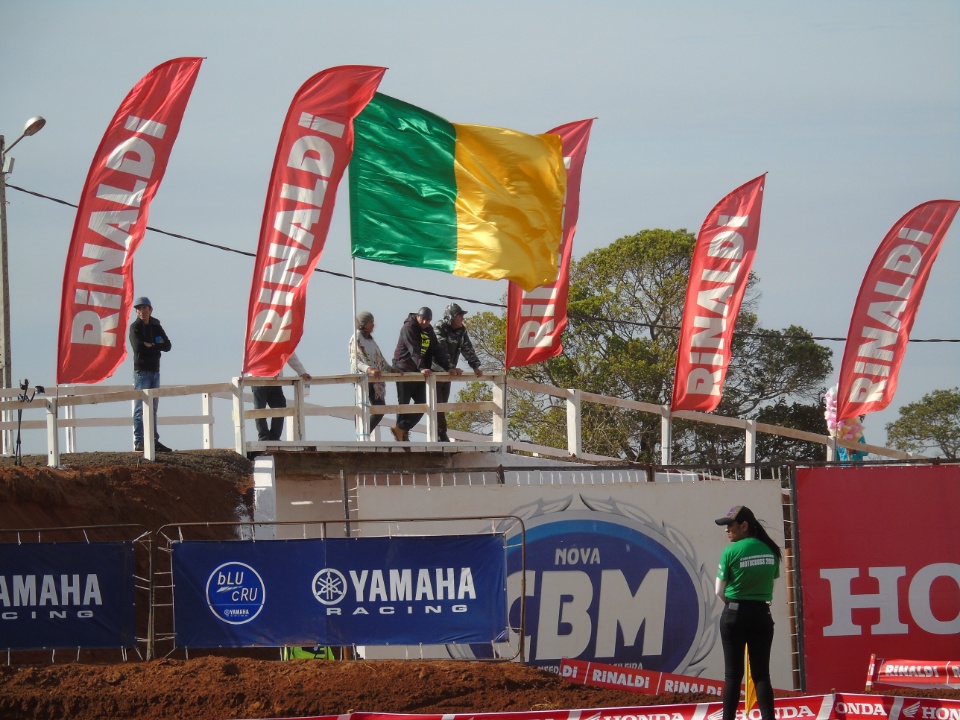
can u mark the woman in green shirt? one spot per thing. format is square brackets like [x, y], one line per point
[748, 567]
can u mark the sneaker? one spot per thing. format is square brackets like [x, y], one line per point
[138, 446]
[399, 434]
[160, 447]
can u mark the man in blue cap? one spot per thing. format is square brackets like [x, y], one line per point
[147, 339]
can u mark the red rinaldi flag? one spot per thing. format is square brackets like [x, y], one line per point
[111, 220]
[887, 306]
[536, 319]
[719, 272]
[314, 150]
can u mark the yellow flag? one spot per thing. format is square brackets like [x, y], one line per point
[750, 698]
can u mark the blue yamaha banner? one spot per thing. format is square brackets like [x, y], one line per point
[56, 595]
[340, 591]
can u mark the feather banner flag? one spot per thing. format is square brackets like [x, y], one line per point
[886, 307]
[470, 200]
[719, 271]
[314, 150]
[112, 218]
[537, 318]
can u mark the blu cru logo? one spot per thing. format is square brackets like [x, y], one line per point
[235, 593]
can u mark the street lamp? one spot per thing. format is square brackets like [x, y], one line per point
[32, 127]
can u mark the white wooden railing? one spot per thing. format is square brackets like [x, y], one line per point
[59, 407]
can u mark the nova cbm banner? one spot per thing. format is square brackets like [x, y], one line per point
[340, 591]
[67, 595]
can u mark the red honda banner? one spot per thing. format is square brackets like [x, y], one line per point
[314, 150]
[886, 307]
[111, 220]
[719, 272]
[536, 319]
[869, 591]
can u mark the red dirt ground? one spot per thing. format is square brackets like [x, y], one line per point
[97, 489]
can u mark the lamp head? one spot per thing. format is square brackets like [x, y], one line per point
[33, 125]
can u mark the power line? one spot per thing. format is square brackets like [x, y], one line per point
[652, 326]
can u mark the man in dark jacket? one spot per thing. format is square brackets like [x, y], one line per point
[147, 339]
[417, 351]
[452, 334]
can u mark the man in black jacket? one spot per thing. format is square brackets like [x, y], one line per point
[417, 351]
[147, 339]
[452, 334]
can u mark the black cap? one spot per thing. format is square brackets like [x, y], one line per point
[425, 312]
[738, 513]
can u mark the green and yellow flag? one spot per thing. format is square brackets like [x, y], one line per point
[469, 200]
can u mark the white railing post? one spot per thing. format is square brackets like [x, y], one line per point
[149, 426]
[362, 421]
[832, 449]
[500, 414]
[574, 431]
[70, 432]
[53, 433]
[206, 409]
[666, 436]
[239, 431]
[750, 451]
[431, 414]
[299, 420]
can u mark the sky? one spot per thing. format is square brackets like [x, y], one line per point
[851, 107]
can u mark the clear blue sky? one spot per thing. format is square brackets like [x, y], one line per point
[853, 108]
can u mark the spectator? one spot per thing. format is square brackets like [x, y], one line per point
[147, 339]
[417, 351]
[272, 396]
[452, 334]
[365, 357]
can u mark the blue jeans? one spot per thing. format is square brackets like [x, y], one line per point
[144, 380]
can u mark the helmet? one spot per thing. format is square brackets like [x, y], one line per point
[142, 301]
[453, 310]
[425, 312]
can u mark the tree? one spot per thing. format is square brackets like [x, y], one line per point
[933, 423]
[625, 307]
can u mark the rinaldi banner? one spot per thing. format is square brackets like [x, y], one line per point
[112, 219]
[536, 319]
[880, 567]
[340, 591]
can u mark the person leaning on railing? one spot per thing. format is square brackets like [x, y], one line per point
[365, 357]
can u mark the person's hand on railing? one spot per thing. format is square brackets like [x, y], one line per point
[374, 373]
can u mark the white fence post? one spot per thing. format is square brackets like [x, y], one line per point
[666, 436]
[362, 391]
[574, 431]
[750, 451]
[832, 449]
[70, 432]
[53, 433]
[239, 426]
[431, 415]
[299, 420]
[500, 415]
[149, 426]
[206, 408]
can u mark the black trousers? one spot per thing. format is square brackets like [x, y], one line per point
[746, 623]
[375, 419]
[269, 396]
[407, 392]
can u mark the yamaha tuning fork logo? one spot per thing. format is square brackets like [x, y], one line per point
[235, 593]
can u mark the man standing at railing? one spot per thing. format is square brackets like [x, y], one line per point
[417, 351]
[147, 339]
[272, 396]
[452, 334]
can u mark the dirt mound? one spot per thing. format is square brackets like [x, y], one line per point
[214, 486]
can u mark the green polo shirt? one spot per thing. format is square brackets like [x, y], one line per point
[749, 568]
